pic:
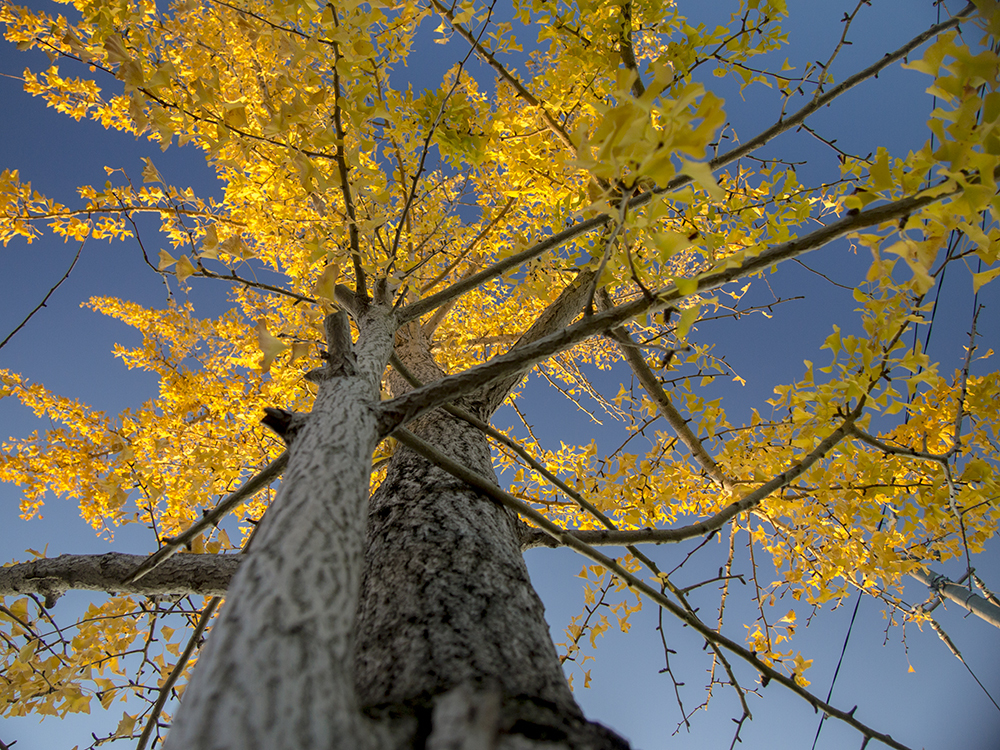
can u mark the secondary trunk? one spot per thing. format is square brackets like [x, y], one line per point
[446, 602]
[276, 669]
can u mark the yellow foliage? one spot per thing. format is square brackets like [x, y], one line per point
[297, 106]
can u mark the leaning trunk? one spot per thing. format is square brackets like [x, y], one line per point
[276, 669]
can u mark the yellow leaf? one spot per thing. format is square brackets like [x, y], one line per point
[327, 282]
[465, 14]
[688, 316]
[125, 726]
[27, 651]
[149, 172]
[880, 174]
[270, 346]
[184, 268]
[299, 349]
[701, 173]
[235, 115]
[686, 286]
[166, 260]
[985, 277]
[211, 239]
[669, 243]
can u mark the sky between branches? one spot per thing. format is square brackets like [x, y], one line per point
[68, 349]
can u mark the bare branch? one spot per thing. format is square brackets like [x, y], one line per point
[825, 68]
[627, 51]
[186, 574]
[404, 408]
[45, 299]
[514, 446]
[422, 307]
[360, 290]
[956, 443]
[990, 596]
[488, 488]
[662, 400]
[797, 118]
[251, 487]
[532, 538]
[898, 450]
[558, 130]
[484, 232]
[747, 502]
[193, 642]
[231, 276]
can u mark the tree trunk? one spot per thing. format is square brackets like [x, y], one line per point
[450, 646]
[446, 602]
[276, 671]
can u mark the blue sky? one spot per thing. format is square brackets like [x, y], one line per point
[938, 705]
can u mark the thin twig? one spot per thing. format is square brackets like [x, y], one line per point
[627, 50]
[46, 297]
[847, 20]
[568, 539]
[425, 149]
[666, 407]
[175, 673]
[748, 502]
[360, 289]
[513, 445]
[586, 506]
[410, 405]
[956, 443]
[422, 307]
[251, 487]
[558, 130]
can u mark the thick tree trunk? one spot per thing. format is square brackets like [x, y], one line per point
[446, 602]
[276, 671]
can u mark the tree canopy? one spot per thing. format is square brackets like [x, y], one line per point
[581, 210]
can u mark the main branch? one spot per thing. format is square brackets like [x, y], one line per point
[400, 410]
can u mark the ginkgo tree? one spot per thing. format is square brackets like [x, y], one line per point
[397, 263]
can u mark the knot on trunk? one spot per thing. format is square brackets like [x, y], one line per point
[284, 423]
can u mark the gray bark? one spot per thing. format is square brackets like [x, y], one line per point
[446, 603]
[422, 630]
[184, 574]
[276, 671]
[961, 595]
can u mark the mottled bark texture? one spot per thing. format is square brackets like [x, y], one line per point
[446, 603]
[402, 620]
[183, 575]
[276, 671]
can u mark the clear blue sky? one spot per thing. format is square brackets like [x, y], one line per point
[938, 706]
